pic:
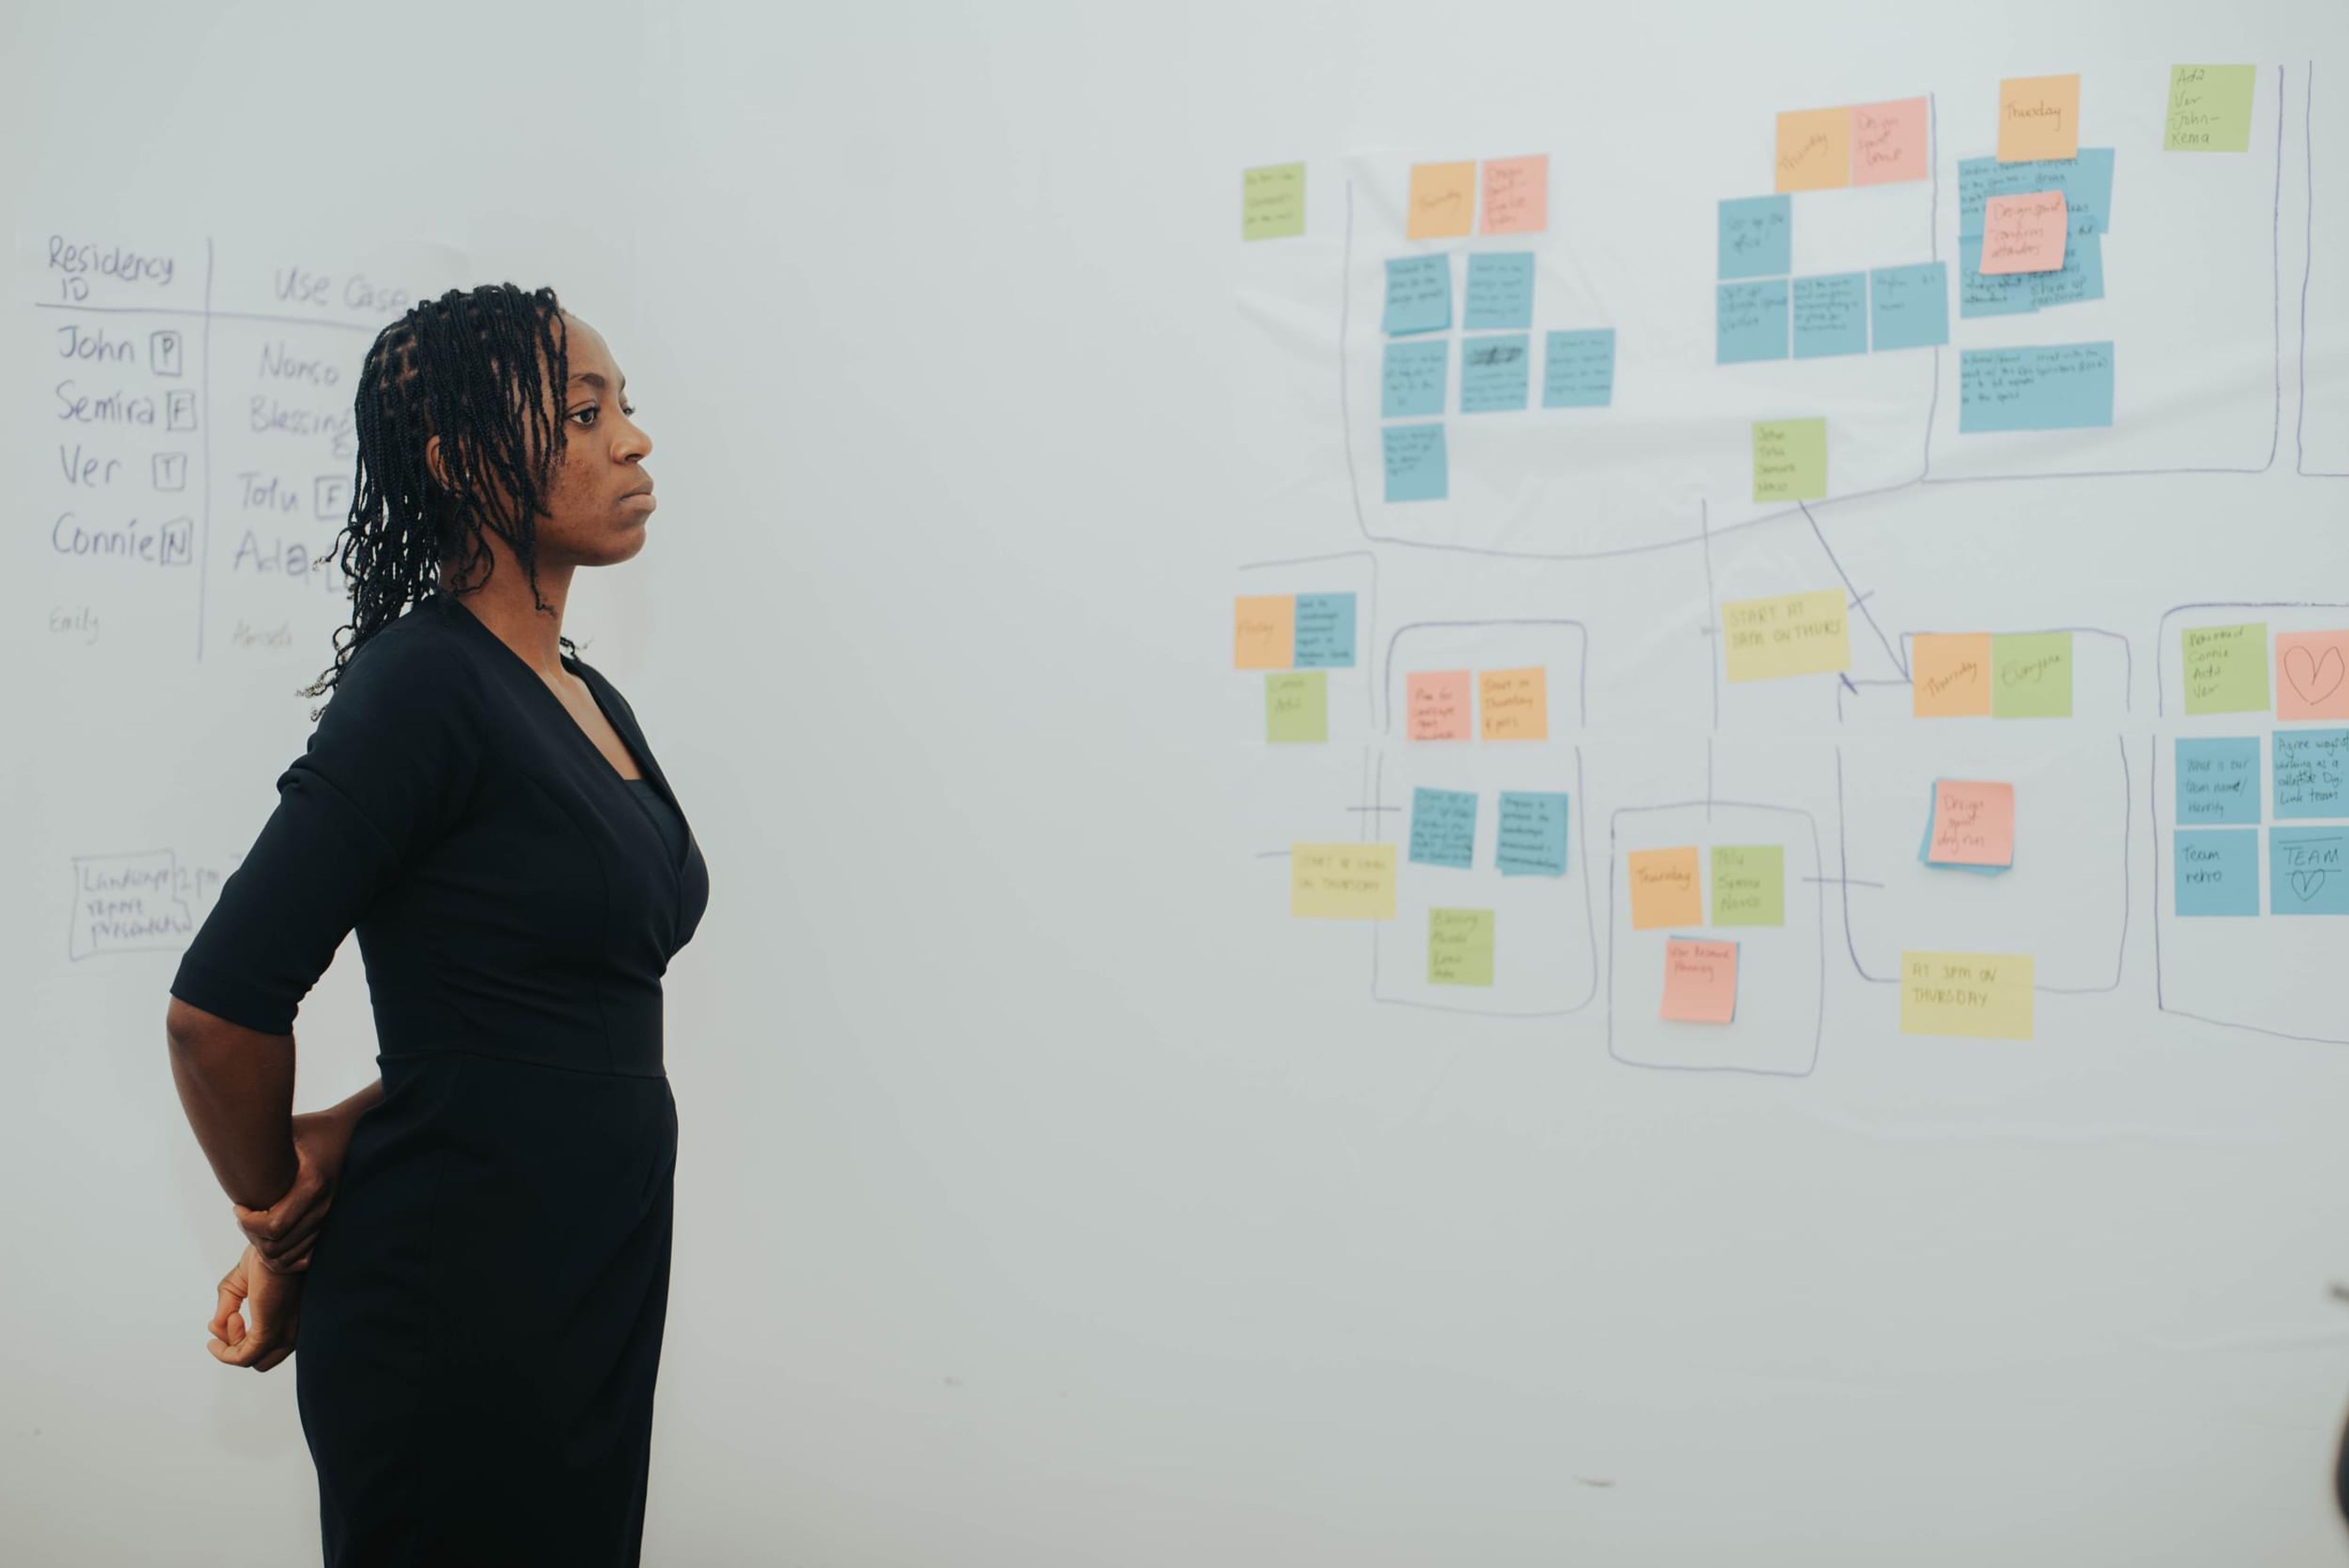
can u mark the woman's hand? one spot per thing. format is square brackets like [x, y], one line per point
[260, 1314]
[282, 1234]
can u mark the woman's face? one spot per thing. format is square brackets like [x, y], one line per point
[602, 496]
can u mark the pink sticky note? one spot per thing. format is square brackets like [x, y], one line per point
[1974, 824]
[2312, 675]
[1699, 981]
[1516, 195]
[1887, 142]
[1438, 705]
[2024, 233]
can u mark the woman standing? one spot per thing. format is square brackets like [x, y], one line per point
[475, 1249]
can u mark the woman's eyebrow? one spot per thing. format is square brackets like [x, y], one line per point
[596, 380]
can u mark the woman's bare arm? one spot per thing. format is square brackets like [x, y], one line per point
[237, 1087]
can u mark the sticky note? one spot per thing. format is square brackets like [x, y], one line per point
[2312, 773]
[2030, 675]
[2038, 116]
[1443, 201]
[1516, 195]
[1749, 884]
[1494, 373]
[1272, 201]
[1949, 675]
[1341, 882]
[1578, 369]
[1757, 236]
[1664, 888]
[1986, 995]
[1813, 150]
[1790, 459]
[2308, 870]
[1263, 631]
[1699, 981]
[1515, 703]
[1415, 465]
[2225, 669]
[1793, 634]
[1908, 307]
[1436, 705]
[1443, 828]
[1748, 322]
[2087, 182]
[1973, 824]
[1413, 375]
[1533, 834]
[2209, 109]
[2081, 277]
[1296, 706]
[1500, 291]
[2007, 293]
[1419, 295]
[2312, 671]
[2062, 386]
[1460, 947]
[1889, 142]
[2024, 233]
[1325, 632]
[2217, 871]
[1830, 315]
[2218, 780]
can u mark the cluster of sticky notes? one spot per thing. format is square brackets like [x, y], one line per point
[2312, 772]
[1296, 639]
[1446, 200]
[2217, 871]
[1982, 996]
[2055, 387]
[2031, 235]
[2219, 777]
[1985, 674]
[1341, 882]
[1272, 201]
[1496, 376]
[1700, 981]
[1864, 144]
[1790, 459]
[2226, 671]
[2216, 854]
[1512, 704]
[1969, 826]
[1531, 840]
[1790, 635]
[1761, 313]
[1460, 947]
[1667, 886]
[2038, 119]
[2209, 109]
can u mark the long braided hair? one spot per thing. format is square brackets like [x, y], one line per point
[474, 368]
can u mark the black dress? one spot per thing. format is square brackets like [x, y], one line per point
[481, 1326]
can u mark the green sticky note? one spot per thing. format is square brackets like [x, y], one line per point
[2209, 109]
[1749, 884]
[1790, 459]
[2227, 668]
[2030, 675]
[1272, 201]
[1460, 947]
[1296, 704]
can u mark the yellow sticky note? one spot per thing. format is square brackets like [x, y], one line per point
[1264, 631]
[1443, 201]
[1341, 882]
[2038, 116]
[1790, 459]
[1515, 703]
[1814, 149]
[1272, 201]
[1460, 947]
[1986, 995]
[1665, 888]
[1795, 635]
[1949, 674]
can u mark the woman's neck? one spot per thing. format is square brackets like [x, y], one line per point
[504, 605]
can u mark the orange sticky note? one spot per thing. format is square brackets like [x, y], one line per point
[1443, 201]
[1664, 888]
[1889, 142]
[2038, 116]
[1437, 705]
[1974, 824]
[1949, 674]
[1699, 981]
[1814, 149]
[2024, 233]
[1515, 703]
[2312, 675]
[1264, 631]
[1516, 195]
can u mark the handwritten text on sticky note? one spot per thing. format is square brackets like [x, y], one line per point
[1794, 634]
[1986, 995]
[1436, 705]
[1341, 882]
[1665, 888]
[1949, 674]
[1515, 703]
[1516, 195]
[1974, 824]
[1272, 201]
[2024, 233]
[1264, 630]
[1813, 150]
[1443, 201]
[1790, 459]
[1699, 981]
[2038, 116]
[2225, 669]
[1460, 947]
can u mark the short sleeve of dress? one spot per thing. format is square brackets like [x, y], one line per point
[389, 772]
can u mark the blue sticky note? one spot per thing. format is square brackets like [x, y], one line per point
[1757, 236]
[1998, 293]
[1419, 293]
[1324, 638]
[1908, 307]
[1443, 828]
[2086, 182]
[1494, 373]
[1748, 322]
[2059, 386]
[1412, 379]
[1830, 315]
[2308, 870]
[2218, 780]
[2081, 277]
[2218, 871]
[1925, 844]
[1533, 834]
[1500, 290]
[1578, 369]
[1415, 465]
[2312, 773]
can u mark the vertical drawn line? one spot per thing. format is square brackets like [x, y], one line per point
[204, 561]
[1859, 600]
[1716, 652]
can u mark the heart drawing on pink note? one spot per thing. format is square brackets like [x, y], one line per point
[2313, 679]
[2306, 885]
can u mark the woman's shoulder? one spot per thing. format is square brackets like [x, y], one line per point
[420, 659]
